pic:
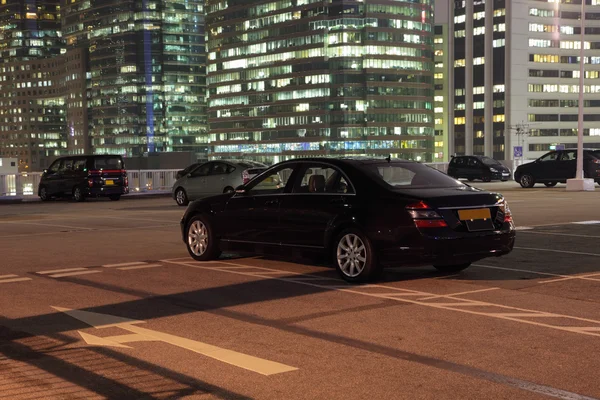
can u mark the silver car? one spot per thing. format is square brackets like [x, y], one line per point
[214, 177]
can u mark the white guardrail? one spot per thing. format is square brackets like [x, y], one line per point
[25, 184]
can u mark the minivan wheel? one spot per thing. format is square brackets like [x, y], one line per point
[452, 268]
[526, 181]
[550, 184]
[181, 197]
[200, 242]
[44, 196]
[355, 257]
[78, 194]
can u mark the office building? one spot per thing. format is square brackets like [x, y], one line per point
[146, 73]
[522, 57]
[296, 78]
[442, 81]
[33, 70]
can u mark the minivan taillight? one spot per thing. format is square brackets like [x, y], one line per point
[424, 217]
[245, 176]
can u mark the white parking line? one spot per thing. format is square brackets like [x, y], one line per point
[140, 267]
[89, 271]
[587, 222]
[53, 271]
[14, 280]
[559, 251]
[123, 264]
[567, 278]
[459, 294]
[584, 326]
[8, 276]
[49, 225]
[563, 234]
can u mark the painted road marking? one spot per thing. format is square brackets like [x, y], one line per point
[587, 222]
[8, 276]
[48, 225]
[14, 280]
[97, 320]
[523, 228]
[140, 267]
[89, 271]
[123, 264]
[567, 278]
[563, 234]
[559, 251]
[459, 294]
[588, 326]
[582, 277]
[54, 271]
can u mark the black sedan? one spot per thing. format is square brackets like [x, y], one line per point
[363, 213]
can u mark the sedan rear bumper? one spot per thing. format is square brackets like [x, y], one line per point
[450, 251]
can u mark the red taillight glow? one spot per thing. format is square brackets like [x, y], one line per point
[430, 223]
[424, 217]
[90, 182]
[421, 205]
[508, 218]
[245, 177]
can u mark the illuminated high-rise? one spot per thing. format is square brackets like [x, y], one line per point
[146, 71]
[516, 83]
[32, 73]
[294, 78]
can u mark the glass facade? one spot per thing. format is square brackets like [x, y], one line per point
[472, 104]
[146, 73]
[293, 78]
[32, 73]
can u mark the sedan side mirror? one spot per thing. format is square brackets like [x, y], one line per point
[240, 189]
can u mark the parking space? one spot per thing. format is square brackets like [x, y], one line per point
[526, 325]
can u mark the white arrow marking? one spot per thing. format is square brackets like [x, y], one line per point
[251, 363]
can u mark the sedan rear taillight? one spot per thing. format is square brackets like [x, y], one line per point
[503, 206]
[424, 217]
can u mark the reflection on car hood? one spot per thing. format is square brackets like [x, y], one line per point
[460, 196]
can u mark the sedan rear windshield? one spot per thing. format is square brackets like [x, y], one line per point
[411, 176]
[108, 163]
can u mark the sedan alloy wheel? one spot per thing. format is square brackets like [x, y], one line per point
[351, 255]
[198, 238]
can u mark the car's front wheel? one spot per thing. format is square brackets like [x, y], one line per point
[526, 181]
[78, 194]
[200, 241]
[452, 268]
[181, 197]
[44, 196]
[355, 258]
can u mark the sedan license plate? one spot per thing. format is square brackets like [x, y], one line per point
[109, 182]
[505, 174]
[478, 213]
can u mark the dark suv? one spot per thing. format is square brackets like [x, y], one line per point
[558, 166]
[478, 167]
[85, 176]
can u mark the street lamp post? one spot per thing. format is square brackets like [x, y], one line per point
[579, 183]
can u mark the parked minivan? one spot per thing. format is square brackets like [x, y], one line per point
[85, 176]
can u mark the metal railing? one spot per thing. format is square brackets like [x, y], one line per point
[140, 181]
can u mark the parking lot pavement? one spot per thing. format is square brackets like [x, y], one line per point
[101, 300]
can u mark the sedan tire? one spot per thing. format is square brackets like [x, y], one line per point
[452, 268]
[526, 181]
[200, 242]
[181, 197]
[550, 184]
[355, 257]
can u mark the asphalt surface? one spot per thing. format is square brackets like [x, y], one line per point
[158, 325]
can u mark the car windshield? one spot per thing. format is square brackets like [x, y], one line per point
[411, 176]
[489, 161]
[108, 162]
